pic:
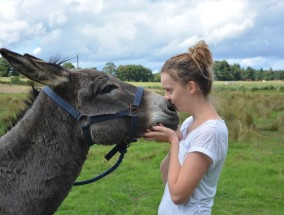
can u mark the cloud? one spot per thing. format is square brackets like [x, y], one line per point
[144, 32]
[36, 51]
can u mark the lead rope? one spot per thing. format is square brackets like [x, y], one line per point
[122, 149]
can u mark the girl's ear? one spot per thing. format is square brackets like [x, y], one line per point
[192, 87]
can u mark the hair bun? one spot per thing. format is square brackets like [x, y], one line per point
[201, 55]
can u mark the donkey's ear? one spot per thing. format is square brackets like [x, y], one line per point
[32, 57]
[36, 69]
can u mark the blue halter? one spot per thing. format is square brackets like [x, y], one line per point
[132, 112]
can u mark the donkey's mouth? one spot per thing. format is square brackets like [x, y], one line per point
[171, 123]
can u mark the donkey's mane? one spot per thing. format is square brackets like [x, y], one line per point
[33, 94]
[58, 60]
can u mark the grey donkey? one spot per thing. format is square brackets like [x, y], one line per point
[42, 154]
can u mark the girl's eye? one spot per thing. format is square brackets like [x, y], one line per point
[108, 89]
[169, 91]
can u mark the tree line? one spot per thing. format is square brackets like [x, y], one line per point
[223, 71]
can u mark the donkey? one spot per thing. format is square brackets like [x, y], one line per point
[42, 154]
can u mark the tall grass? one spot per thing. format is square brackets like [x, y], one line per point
[10, 105]
[252, 181]
[246, 114]
[230, 86]
[247, 107]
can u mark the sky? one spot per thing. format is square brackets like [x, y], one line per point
[145, 32]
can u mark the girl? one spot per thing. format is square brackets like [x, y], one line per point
[197, 153]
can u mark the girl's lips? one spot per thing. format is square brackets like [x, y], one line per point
[174, 107]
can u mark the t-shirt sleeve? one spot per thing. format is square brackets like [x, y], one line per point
[206, 142]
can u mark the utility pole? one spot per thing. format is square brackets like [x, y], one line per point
[77, 61]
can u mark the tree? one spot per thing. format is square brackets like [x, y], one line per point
[110, 68]
[68, 65]
[249, 74]
[236, 72]
[4, 67]
[222, 71]
[134, 73]
[269, 75]
[157, 77]
[259, 74]
[279, 75]
[13, 72]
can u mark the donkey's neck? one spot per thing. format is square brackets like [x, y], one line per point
[40, 158]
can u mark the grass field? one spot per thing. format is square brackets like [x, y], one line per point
[252, 181]
[221, 86]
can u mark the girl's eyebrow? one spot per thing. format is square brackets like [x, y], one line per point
[167, 88]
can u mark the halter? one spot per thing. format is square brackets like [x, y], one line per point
[86, 120]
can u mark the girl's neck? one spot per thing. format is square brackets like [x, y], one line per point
[203, 111]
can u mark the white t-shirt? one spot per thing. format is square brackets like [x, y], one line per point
[211, 139]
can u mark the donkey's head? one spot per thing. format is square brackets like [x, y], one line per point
[94, 93]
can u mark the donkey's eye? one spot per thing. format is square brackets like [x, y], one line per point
[108, 89]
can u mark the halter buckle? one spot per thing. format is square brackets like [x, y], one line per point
[84, 120]
[133, 110]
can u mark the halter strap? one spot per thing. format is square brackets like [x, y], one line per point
[134, 114]
[66, 106]
[131, 112]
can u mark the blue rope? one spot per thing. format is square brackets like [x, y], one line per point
[122, 152]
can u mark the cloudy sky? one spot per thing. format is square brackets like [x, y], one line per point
[145, 32]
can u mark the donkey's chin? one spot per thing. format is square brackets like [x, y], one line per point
[171, 126]
[171, 123]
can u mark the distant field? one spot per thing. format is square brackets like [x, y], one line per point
[228, 85]
[8, 79]
[219, 85]
[153, 85]
[9, 88]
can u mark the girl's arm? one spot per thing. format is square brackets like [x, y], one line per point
[182, 180]
[164, 168]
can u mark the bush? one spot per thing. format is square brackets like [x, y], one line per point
[15, 80]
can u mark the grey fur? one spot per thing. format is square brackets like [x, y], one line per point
[42, 155]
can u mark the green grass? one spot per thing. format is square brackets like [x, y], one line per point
[149, 85]
[252, 181]
[10, 104]
[134, 188]
[19, 80]
[249, 86]
[252, 178]
[221, 86]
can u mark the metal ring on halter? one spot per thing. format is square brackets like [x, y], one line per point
[84, 120]
[133, 110]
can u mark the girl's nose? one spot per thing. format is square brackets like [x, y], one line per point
[167, 97]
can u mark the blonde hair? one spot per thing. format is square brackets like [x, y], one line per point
[196, 65]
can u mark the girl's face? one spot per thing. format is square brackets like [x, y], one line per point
[176, 93]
